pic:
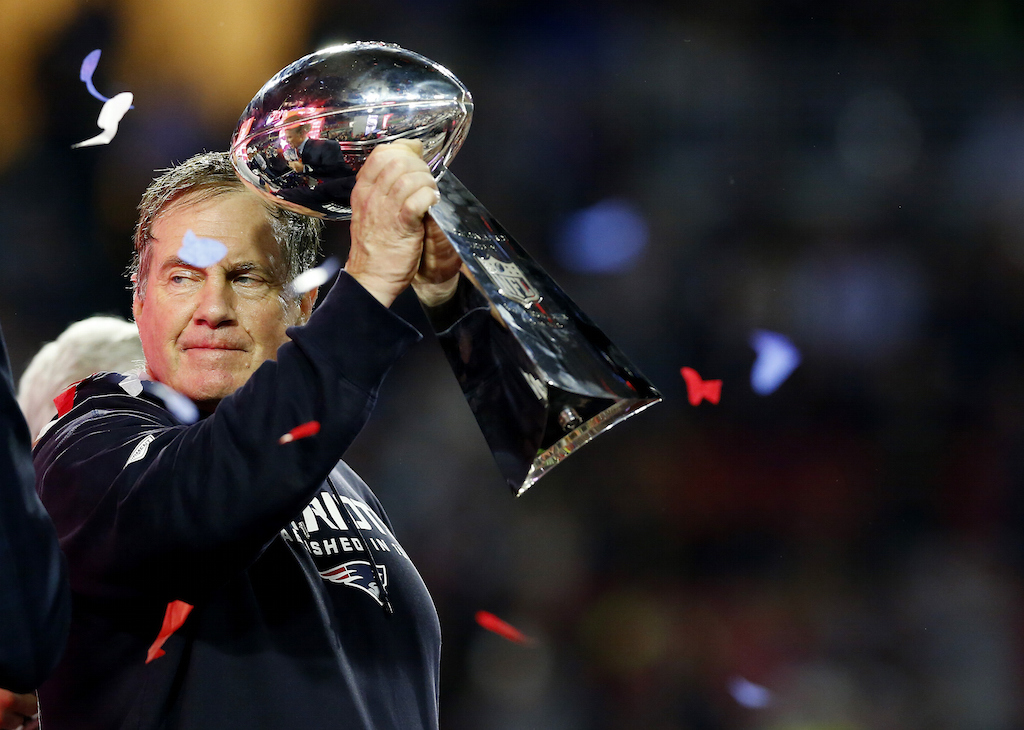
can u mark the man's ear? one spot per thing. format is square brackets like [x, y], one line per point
[306, 304]
[136, 302]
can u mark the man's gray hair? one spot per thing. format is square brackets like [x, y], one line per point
[200, 178]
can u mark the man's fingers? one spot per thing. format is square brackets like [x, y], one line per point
[390, 183]
[401, 183]
[440, 260]
[11, 721]
[384, 154]
[409, 196]
[413, 145]
[417, 204]
[14, 706]
[15, 710]
[26, 704]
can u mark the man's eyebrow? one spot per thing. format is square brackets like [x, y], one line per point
[252, 267]
[240, 267]
[248, 266]
[175, 261]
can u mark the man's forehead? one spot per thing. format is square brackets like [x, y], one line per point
[238, 219]
[202, 199]
[231, 213]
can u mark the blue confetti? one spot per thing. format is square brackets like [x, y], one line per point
[201, 252]
[777, 358]
[606, 238]
[88, 69]
[749, 694]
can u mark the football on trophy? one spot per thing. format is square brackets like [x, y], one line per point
[306, 133]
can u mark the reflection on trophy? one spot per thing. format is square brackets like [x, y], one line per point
[556, 380]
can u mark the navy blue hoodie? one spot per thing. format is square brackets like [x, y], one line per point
[307, 611]
[35, 604]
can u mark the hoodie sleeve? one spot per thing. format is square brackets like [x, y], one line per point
[35, 604]
[144, 504]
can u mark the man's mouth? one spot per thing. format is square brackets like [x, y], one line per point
[211, 348]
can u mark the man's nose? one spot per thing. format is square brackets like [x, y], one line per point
[216, 304]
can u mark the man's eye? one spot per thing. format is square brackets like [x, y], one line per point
[246, 280]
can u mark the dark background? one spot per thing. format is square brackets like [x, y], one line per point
[849, 174]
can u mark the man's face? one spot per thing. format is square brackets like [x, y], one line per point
[205, 331]
[294, 136]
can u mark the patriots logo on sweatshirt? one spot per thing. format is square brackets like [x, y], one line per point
[358, 574]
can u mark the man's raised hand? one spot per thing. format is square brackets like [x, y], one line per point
[393, 191]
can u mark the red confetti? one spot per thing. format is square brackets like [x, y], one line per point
[310, 428]
[698, 390]
[174, 617]
[505, 630]
[66, 400]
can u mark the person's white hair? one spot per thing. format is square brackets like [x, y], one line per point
[90, 346]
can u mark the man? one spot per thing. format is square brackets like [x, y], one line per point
[35, 603]
[85, 347]
[88, 346]
[322, 158]
[325, 176]
[224, 576]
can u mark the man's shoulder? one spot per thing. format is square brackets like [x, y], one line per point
[322, 144]
[325, 147]
[100, 400]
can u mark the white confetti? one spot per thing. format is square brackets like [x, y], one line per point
[777, 358]
[131, 385]
[309, 280]
[201, 252]
[110, 116]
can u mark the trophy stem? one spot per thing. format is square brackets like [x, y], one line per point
[541, 378]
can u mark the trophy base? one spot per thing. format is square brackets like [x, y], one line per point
[547, 459]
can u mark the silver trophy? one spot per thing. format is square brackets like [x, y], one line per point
[541, 378]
